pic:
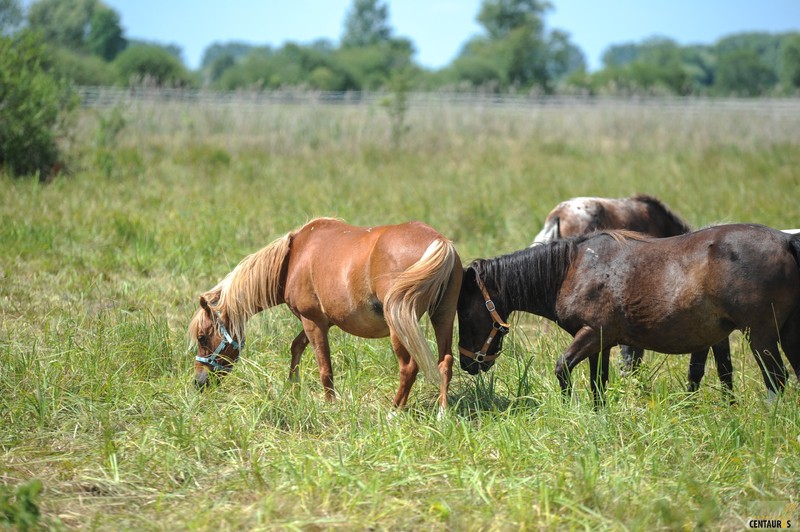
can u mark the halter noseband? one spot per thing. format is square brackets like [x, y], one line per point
[227, 339]
[498, 327]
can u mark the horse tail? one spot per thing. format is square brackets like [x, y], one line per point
[418, 290]
[550, 232]
[794, 247]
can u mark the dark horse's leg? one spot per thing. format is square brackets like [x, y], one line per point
[790, 341]
[585, 344]
[599, 381]
[722, 357]
[298, 346]
[630, 358]
[770, 362]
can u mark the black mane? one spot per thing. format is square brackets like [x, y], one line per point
[529, 279]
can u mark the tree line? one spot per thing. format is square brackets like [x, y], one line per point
[515, 52]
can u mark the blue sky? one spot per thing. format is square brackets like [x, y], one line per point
[439, 28]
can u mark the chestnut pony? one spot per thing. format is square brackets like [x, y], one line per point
[644, 214]
[371, 282]
[672, 295]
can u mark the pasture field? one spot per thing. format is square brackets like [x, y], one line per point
[101, 426]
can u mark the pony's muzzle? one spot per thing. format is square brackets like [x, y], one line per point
[473, 366]
[201, 378]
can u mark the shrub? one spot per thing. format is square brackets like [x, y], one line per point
[34, 106]
[151, 64]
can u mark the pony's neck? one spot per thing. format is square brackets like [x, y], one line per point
[256, 284]
[528, 280]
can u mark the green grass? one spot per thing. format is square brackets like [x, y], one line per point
[101, 269]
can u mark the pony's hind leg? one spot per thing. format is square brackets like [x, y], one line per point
[442, 320]
[722, 357]
[585, 344]
[770, 363]
[317, 335]
[299, 345]
[697, 368]
[790, 341]
[408, 371]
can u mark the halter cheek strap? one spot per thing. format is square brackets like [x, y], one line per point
[227, 340]
[499, 326]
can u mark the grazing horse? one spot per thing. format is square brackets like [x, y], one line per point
[371, 282]
[644, 214]
[672, 295]
[640, 213]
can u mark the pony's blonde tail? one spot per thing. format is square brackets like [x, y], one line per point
[416, 291]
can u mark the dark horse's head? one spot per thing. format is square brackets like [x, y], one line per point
[217, 346]
[481, 322]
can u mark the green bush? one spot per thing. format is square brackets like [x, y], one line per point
[80, 69]
[33, 107]
[151, 64]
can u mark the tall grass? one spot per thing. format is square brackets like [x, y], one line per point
[100, 271]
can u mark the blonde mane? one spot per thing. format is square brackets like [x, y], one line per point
[253, 285]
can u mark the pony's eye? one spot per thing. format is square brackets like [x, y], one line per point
[202, 339]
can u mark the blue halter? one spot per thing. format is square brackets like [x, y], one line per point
[227, 339]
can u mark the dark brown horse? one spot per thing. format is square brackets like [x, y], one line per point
[672, 295]
[640, 213]
[644, 214]
[371, 282]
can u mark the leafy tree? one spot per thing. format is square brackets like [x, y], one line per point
[700, 63]
[790, 62]
[151, 64]
[619, 55]
[743, 72]
[563, 57]
[367, 24]
[767, 46]
[33, 106]
[233, 49]
[10, 16]
[477, 66]
[105, 34]
[370, 67]
[501, 17]
[516, 50]
[81, 69]
[63, 22]
[218, 67]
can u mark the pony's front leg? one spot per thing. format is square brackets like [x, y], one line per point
[408, 372]
[585, 343]
[317, 334]
[446, 374]
[299, 345]
[599, 376]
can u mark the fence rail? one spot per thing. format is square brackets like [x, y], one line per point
[100, 97]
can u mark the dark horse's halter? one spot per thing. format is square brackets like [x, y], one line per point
[226, 340]
[498, 327]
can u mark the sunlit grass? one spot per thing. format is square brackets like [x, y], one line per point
[100, 271]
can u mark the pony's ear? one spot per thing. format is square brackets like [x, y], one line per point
[204, 304]
[469, 274]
